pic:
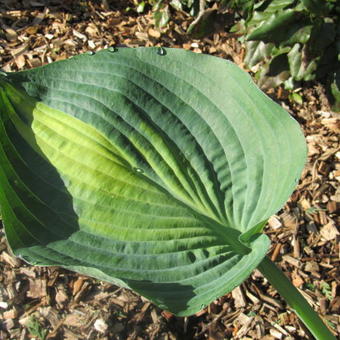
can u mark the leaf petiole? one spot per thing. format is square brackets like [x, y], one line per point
[295, 300]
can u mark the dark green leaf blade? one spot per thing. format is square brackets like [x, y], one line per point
[161, 163]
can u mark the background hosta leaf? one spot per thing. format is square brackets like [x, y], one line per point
[274, 72]
[317, 7]
[300, 67]
[323, 35]
[256, 52]
[283, 28]
[335, 88]
[152, 169]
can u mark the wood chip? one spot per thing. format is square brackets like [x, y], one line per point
[274, 222]
[117, 301]
[92, 30]
[8, 324]
[305, 204]
[154, 33]
[289, 220]
[252, 297]
[37, 288]
[11, 314]
[51, 315]
[20, 61]
[297, 280]
[332, 207]
[77, 285]
[61, 296]
[332, 123]
[243, 321]
[154, 316]
[238, 296]
[291, 260]
[91, 44]
[275, 333]
[100, 325]
[311, 266]
[276, 252]
[11, 35]
[329, 231]
[3, 305]
[11, 260]
[142, 35]
[76, 319]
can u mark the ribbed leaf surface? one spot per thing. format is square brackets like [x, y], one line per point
[152, 169]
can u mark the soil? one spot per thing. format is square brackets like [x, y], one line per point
[53, 303]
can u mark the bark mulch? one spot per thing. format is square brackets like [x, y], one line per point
[52, 303]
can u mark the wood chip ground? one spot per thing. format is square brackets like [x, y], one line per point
[52, 303]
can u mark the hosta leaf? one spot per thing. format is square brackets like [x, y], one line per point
[335, 90]
[274, 5]
[152, 169]
[263, 10]
[298, 33]
[257, 51]
[274, 73]
[300, 67]
[323, 35]
[317, 7]
[161, 15]
[278, 27]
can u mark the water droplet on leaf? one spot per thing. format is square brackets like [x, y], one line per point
[139, 170]
[161, 51]
[91, 53]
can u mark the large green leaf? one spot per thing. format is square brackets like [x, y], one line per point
[154, 169]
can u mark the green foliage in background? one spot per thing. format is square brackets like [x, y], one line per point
[161, 9]
[291, 41]
[286, 41]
